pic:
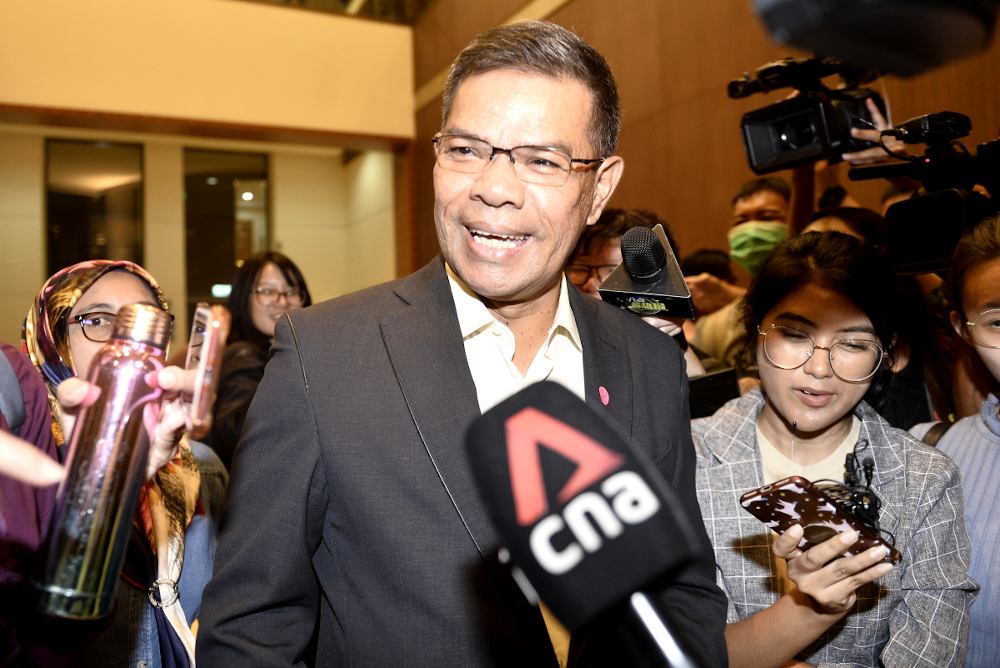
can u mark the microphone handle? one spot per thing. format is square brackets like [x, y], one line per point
[652, 637]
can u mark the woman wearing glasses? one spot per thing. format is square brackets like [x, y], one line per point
[266, 286]
[974, 442]
[822, 323]
[177, 519]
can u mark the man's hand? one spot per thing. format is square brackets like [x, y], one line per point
[22, 461]
[669, 326]
[875, 155]
[171, 417]
[823, 574]
[709, 293]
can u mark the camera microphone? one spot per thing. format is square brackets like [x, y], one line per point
[649, 280]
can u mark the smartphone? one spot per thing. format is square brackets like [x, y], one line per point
[795, 500]
[208, 340]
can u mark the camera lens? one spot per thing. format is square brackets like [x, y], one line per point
[797, 132]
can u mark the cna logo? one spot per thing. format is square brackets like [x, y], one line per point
[626, 496]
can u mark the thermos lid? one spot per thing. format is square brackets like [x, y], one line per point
[143, 323]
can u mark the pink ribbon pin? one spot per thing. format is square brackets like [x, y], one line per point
[604, 395]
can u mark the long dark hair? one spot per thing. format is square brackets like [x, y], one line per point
[244, 284]
[838, 262]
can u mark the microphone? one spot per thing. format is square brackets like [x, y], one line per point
[586, 518]
[649, 280]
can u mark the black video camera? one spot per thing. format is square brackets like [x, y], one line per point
[922, 232]
[812, 126]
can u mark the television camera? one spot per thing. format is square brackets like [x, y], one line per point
[811, 126]
[922, 232]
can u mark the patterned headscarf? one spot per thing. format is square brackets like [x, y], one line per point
[168, 501]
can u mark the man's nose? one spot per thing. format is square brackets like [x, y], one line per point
[590, 287]
[498, 184]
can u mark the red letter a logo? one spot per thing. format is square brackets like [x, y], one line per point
[529, 428]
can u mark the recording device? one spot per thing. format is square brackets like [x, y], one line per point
[900, 36]
[922, 232]
[813, 126]
[649, 280]
[795, 500]
[205, 347]
[77, 571]
[587, 519]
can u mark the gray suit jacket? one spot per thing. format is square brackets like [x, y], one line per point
[352, 519]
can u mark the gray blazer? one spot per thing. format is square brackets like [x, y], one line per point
[352, 519]
[918, 615]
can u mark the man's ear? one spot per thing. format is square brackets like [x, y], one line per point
[609, 173]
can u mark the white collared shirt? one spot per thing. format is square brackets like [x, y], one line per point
[489, 348]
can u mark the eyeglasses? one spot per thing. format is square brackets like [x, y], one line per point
[986, 328]
[98, 325]
[579, 274]
[852, 360]
[269, 296]
[532, 164]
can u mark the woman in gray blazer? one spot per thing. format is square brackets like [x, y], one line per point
[821, 321]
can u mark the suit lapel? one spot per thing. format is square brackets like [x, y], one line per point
[605, 361]
[425, 346]
[424, 343]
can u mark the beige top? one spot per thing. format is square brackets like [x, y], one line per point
[777, 466]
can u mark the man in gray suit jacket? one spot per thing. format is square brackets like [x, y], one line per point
[352, 533]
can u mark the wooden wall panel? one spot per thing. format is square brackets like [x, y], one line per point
[446, 26]
[680, 137]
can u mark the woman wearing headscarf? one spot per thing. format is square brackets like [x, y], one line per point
[173, 534]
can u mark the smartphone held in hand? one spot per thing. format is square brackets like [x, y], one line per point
[206, 345]
[795, 500]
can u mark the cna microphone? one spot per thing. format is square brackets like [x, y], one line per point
[649, 280]
[585, 517]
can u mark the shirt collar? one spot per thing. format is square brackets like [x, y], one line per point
[474, 317]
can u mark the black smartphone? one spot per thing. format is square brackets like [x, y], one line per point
[795, 500]
[205, 347]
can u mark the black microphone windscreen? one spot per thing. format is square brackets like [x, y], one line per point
[585, 515]
[642, 253]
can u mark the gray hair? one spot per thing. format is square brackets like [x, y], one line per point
[541, 47]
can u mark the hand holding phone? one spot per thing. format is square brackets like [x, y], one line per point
[205, 347]
[795, 500]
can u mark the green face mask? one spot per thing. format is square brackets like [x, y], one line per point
[751, 242]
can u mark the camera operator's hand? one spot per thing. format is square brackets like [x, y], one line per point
[824, 574]
[875, 155]
[709, 293]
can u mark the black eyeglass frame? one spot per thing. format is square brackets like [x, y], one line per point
[287, 294]
[78, 320]
[592, 270]
[883, 355]
[494, 150]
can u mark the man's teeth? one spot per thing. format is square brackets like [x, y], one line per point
[498, 240]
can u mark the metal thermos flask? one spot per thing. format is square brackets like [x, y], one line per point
[106, 469]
